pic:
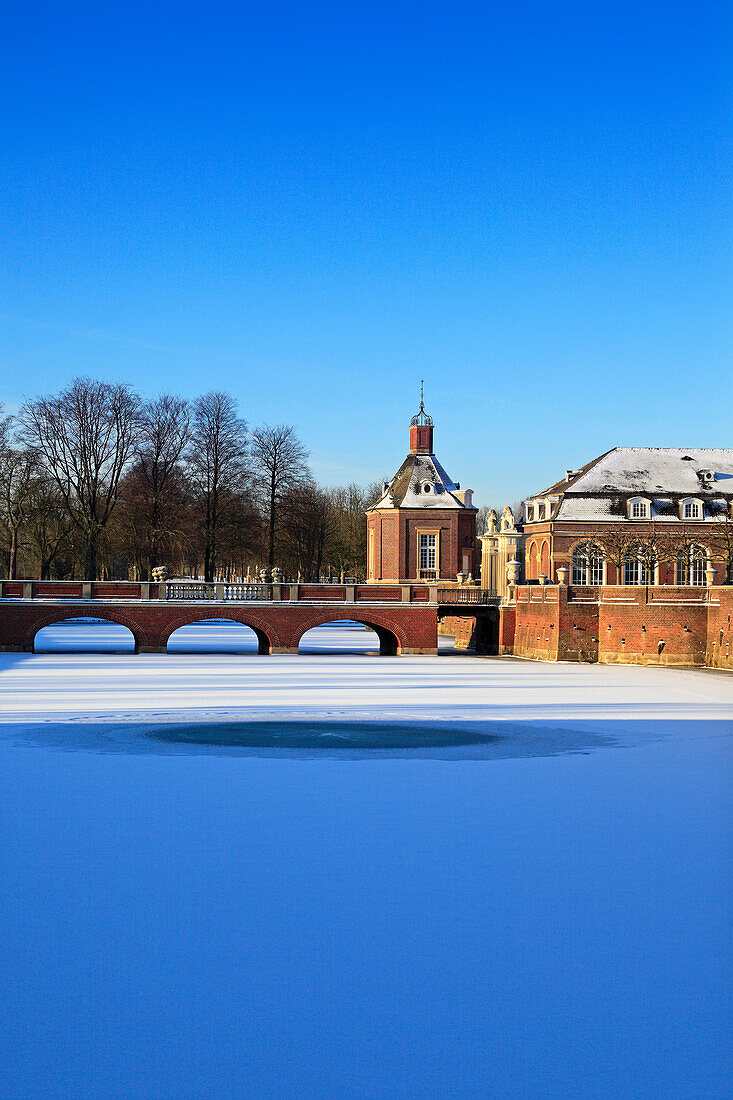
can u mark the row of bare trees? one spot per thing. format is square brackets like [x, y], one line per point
[654, 544]
[96, 482]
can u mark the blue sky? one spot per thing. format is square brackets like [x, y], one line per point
[314, 206]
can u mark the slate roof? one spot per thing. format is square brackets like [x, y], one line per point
[665, 475]
[420, 482]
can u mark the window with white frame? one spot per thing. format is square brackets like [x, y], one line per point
[427, 553]
[530, 513]
[691, 565]
[637, 569]
[691, 509]
[639, 509]
[587, 564]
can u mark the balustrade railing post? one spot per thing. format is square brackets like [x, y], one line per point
[406, 593]
[27, 590]
[350, 593]
[144, 590]
[86, 590]
[277, 592]
[294, 593]
[433, 593]
[219, 591]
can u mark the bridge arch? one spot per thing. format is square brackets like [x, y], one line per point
[391, 637]
[267, 638]
[215, 637]
[67, 616]
[477, 631]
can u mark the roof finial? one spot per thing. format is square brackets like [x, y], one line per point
[421, 416]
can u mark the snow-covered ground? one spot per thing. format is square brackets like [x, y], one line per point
[232, 875]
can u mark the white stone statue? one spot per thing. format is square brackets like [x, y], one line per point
[507, 519]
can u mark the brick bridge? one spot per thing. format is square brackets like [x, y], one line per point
[404, 617]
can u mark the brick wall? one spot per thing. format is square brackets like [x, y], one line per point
[657, 626]
[719, 653]
[660, 625]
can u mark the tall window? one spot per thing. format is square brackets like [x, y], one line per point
[691, 510]
[587, 564]
[639, 509]
[691, 565]
[637, 568]
[427, 555]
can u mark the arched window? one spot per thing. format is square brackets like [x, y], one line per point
[587, 564]
[636, 567]
[691, 565]
[545, 559]
[533, 562]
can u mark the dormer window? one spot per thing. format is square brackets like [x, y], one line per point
[691, 509]
[530, 513]
[639, 508]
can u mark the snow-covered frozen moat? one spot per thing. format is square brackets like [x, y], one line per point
[346, 876]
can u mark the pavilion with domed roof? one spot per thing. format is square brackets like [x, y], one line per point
[423, 526]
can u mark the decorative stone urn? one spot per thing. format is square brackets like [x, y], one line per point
[562, 574]
[513, 568]
[264, 575]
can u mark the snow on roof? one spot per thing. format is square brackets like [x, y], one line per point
[650, 470]
[420, 482]
[599, 508]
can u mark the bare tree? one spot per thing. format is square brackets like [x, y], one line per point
[216, 466]
[655, 547]
[310, 520]
[83, 438]
[346, 549]
[48, 525]
[17, 472]
[619, 544]
[280, 464]
[163, 435]
[721, 540]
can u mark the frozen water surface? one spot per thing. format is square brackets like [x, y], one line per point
[331, 876]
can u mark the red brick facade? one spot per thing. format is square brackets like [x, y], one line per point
[393, 541]
[674, 625]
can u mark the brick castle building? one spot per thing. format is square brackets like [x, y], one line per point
[635, 515]
[627, 560]
[423, 526]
